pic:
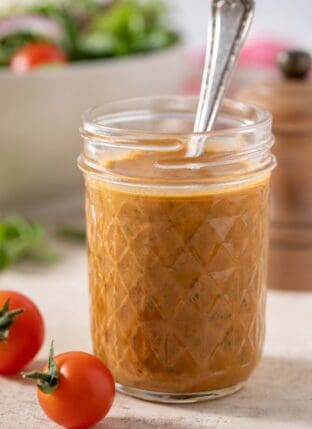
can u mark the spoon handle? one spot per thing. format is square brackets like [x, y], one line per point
[230, 22]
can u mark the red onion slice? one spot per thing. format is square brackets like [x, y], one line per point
[34, 24]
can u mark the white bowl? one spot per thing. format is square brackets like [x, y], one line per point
[41, 111]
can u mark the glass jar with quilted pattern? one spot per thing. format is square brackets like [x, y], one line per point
[177, 226]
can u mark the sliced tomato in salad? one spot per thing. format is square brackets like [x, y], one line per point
[36, 54]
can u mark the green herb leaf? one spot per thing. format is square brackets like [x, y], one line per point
[22, 240]
[78, 234]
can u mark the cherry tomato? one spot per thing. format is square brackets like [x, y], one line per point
[75, 389]
[21, 333]
[35, 54]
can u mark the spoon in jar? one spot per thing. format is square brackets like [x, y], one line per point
[228, 29]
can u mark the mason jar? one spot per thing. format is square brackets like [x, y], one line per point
[177, 245]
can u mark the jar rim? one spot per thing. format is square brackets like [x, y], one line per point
[93, 116]
[173, 159]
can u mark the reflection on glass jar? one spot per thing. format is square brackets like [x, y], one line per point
[177, 245]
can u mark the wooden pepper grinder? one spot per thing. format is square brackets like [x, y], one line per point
[289, 99]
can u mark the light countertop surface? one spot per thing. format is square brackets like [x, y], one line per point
[278, 396]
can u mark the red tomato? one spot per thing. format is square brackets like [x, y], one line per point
[24, 337]
[84, 392]
[36, 54]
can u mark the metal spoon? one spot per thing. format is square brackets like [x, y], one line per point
[228, 29]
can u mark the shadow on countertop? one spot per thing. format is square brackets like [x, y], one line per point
[141, 423]
[278, 395]
[279, 392]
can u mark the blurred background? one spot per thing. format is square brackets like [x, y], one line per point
[285, 20]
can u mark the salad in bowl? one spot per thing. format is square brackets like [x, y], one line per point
[34, 33]
[81, 53]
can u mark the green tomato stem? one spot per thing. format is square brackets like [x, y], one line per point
[7, 319]
[47, 381]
